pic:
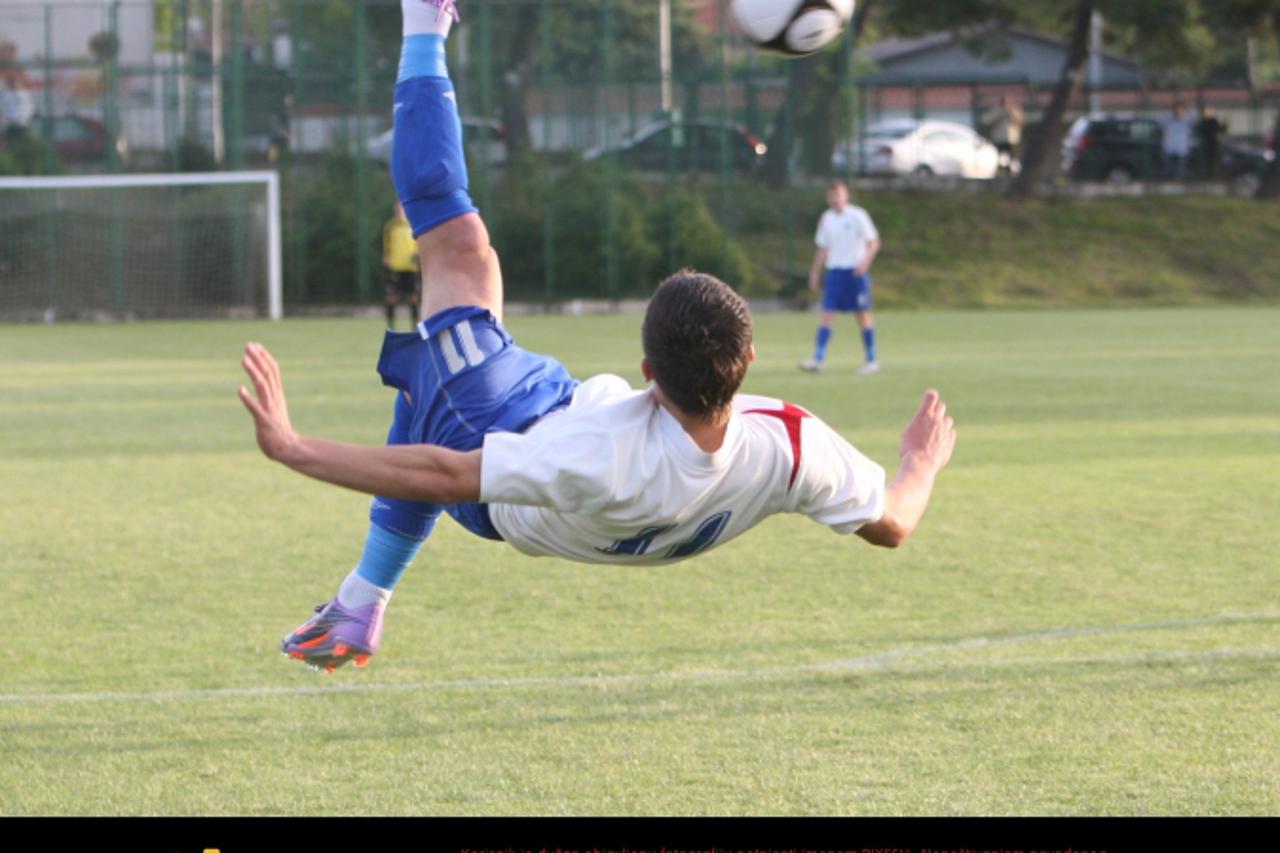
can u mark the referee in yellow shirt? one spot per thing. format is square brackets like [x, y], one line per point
[400, 257]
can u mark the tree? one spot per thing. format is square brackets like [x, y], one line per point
[581, 51]
[823, 71]
[1047, 137]
[1170, 35]
[1242, 19]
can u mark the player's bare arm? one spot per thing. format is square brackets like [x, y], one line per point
[927, 445]
[873, 249]
[417, 472]
[815, 272]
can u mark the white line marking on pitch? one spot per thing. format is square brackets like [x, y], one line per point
[862, 663]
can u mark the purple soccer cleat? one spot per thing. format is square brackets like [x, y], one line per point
[336, 635]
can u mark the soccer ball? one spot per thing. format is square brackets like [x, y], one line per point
[792, 27]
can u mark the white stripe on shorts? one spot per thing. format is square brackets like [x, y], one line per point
[452, 358]
[470, 349]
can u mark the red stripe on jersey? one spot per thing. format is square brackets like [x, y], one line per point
[790, 415]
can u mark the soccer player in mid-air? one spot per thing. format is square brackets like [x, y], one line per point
[514, 449]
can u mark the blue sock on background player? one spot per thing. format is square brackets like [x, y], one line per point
[869, 343]
[820, 347]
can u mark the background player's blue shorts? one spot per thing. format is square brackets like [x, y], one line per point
[466, 377]
[844, 291]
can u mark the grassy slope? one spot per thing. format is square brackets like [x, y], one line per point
[1087, 622]
[970, 250]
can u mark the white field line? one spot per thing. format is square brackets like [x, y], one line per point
[877, 661]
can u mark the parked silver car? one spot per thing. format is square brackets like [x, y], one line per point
[910, 147]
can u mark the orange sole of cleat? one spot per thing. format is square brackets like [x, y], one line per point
[331, 667]
[311, 644]
[340, 650]
[362, 660]
[297, 655]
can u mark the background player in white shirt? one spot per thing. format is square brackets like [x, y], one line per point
[509, 445]
[848, 243]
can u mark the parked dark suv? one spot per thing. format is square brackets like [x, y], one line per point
[1120, 149]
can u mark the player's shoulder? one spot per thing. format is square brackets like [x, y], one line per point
[773, 414]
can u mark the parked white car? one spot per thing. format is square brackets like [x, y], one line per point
[910, 147]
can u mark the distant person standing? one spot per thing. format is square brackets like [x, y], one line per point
[1209, 131]
[400, 258]
[16, 108]
[1177, 143]
[1006, 122]
[848, 243]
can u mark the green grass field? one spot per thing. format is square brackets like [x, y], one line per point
[1088, 622]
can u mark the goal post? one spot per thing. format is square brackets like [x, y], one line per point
[176, 245]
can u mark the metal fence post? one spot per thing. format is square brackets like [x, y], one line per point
[50, 155]
[548, 208]
[363, 280]
[296, 214]
[611, 182]
[235, 141]
[725, 121]
[486, 114]
[235, 154]
[50, 166]
[113, 157]
[788, 120]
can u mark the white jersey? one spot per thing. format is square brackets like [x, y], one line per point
[614, 478]
[845, 236]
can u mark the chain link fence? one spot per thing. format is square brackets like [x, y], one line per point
[596, 170]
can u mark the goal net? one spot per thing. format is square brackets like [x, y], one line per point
[140, 246]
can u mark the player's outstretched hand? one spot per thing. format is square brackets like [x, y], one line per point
[269, 410]
[931, 435]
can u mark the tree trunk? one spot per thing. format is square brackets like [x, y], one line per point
[804, 73]
[786, 124]
[515, 82]
[1047, 138]
[822, 136]
[1270, 187]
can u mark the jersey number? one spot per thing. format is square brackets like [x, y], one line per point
[703, 538]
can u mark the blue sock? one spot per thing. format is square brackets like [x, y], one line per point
[427, 161]
[820, 349]
[422, 55]
[397, 528]
[869, 342]
[386, 556]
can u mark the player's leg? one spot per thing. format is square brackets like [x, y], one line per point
[492, 384]
[823, 338]
[459, 267]
[390, 299]
[834, 298]
[431, 182]
[349, 627]
[866, 323]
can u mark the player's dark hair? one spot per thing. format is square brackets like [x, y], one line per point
[697, 337]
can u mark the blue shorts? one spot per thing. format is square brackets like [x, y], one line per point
[844, 291]
[466, 377]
